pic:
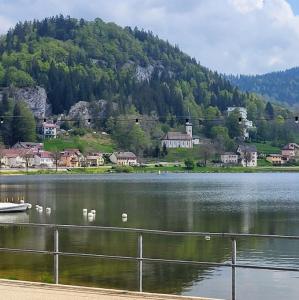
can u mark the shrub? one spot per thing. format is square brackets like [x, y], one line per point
[123, 169]
[189, 163]
[200, 164]
[79, 131]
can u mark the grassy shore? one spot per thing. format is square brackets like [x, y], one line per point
[88, 143]
[152, 169]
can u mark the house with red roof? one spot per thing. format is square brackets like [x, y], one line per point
[70, 158]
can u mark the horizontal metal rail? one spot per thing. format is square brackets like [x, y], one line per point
[148, 259]
[154, 232]
[140, 259]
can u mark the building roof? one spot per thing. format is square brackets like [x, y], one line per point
[290, 146]
[229, 153]
[125, 155]
[10, 153]
[71, 152]
[177, 136]
[247, 148]
[27, 145]
[93, 156]
[274, 155]
[45, 154]
[49, 125]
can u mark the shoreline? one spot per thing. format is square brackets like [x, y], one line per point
[142, 170]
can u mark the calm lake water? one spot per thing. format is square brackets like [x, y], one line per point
[238, 203]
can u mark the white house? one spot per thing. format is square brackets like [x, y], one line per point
[49, 130]
[12, 158]
[178, 139]
[230, 158]
[123, 158]
[95, 160]
[290, 151]
[44, 158]
[248, 155]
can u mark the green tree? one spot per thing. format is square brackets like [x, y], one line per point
[18, 78]
[164, 150]
[221, 139]
[137, 139]
[269, 110]
[2, 73]
[206, 152]
[23, 124]
[189, 163]
[232, 123]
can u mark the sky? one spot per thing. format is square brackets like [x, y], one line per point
[228, 36]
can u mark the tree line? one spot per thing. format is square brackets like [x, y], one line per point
[88, 60]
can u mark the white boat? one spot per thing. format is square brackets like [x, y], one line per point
[13, 207]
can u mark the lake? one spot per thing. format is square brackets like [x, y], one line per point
[237, 203]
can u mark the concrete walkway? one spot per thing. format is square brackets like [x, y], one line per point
[21, 290]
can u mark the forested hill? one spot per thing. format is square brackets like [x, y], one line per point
[86, 60]
[282, 86]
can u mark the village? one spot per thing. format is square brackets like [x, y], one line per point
[34, 155]
[25, 155]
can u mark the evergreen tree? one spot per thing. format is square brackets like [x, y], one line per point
[23, 124]
[269, 110]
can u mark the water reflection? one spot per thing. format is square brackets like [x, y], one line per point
[248, 203]
[21, 217]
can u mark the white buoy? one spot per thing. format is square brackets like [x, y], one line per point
[93, 211]
[207, 238]
[91, 217]
[84, 211]
[40, 209]
[124, 217]
[48, 210]
[29, 205]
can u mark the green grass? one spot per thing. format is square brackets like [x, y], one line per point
[180, 154]
[87, 143]
[266, 148]
[263, 163]
[164, 169]
[210, 169]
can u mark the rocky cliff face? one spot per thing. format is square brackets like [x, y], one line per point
[84, 110]
[34, 97]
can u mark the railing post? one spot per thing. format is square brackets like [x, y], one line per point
[234, 260]
[56, 257]
[140, 255]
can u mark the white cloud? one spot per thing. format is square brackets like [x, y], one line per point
[246, 6]
[5, 24]
[232, 36]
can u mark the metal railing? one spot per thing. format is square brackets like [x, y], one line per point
[140, 258]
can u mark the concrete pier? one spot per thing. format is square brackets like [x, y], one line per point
[13, 290]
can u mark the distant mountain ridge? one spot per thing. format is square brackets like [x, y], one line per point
[282, 86]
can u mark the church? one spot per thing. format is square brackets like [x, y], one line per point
[179, 139]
